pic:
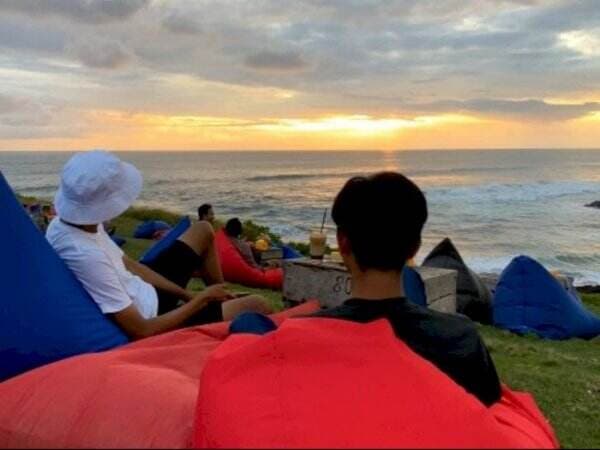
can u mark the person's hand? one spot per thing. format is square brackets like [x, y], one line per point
[216, 293]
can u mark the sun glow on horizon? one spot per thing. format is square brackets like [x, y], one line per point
[120, 130]
[361, 124]
[358, 124]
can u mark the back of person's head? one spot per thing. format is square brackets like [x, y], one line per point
[233, 227]
[382, 217]
[203, 211]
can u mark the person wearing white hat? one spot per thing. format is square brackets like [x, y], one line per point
[97, 186]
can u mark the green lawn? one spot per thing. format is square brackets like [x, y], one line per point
[563, 376]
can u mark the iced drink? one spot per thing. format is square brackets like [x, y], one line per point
[318, 242]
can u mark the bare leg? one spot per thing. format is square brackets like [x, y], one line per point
[200, 237]
[250, 303]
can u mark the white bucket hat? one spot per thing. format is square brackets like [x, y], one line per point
[96, 186]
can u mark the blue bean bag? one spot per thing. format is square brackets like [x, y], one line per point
[153, 252]
[289, 252]
[530, 300]
[146, 229]
[118, 240]
[253, 323]
[45, 313]
[414, 288]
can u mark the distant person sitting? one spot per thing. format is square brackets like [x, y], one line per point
[35, 213]
[48, 214]
[233, 230]
[143, 300]
[396, 208]
[205, 212]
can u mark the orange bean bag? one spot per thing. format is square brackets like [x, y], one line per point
[236, 270]
[138, 396]
[329, 383]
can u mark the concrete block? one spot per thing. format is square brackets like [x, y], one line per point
[446, 304]
[331, 284]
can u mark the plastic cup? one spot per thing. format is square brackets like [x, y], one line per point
[318, 244]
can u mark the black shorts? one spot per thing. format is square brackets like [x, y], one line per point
[178, 263]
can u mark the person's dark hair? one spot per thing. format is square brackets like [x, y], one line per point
[233, 227]
[382, 216]
[203, 210]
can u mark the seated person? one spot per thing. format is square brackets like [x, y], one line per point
[395, 207]
[96, 187]
[233, 230]
[206, 213]
[35, 213]
[48, 214]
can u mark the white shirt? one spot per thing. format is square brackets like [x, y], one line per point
[98, 264]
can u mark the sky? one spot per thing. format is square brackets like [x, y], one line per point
[299, 74]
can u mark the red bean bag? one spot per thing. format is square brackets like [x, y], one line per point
[329, 383]
[236, 270]
[141, 395]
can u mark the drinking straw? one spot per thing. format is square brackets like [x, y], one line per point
[324, 219]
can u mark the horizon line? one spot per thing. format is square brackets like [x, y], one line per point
[307, 150]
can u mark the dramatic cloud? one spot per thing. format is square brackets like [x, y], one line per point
[525, 61]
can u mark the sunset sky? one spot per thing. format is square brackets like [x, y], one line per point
[301, 74]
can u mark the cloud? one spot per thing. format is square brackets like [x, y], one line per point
[276, 61]
[376, 57]
[181, 23]
[529, 109]
[101, 55]
[87, 11]
[586, 43]
[24, 36]
[7, 104]
[18, 112]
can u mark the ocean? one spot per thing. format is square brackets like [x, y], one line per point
[494, 205]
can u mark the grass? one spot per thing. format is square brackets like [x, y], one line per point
[563, 376]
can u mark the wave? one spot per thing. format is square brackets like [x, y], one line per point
[411, 173]
[462, 170]
[41, 188]
[301, 176]
[512, 193]
[291, 176]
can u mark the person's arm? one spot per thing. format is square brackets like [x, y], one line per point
[486, 383]
[454, 345]
[246, 251]
[156, 279]
[137, 327]
[470, 364]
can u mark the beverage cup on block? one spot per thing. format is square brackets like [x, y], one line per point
[318, 244]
